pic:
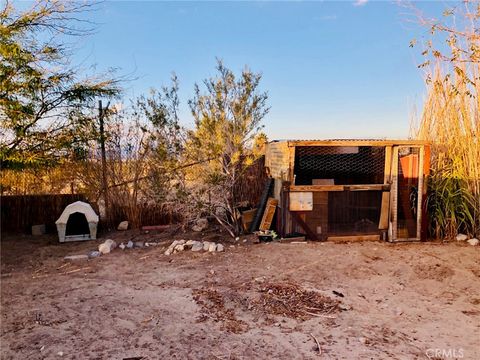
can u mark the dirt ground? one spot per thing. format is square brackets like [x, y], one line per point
[368, 300]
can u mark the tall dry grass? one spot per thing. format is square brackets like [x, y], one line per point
[450, 120]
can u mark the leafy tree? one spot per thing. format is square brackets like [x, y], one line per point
[42, 97]
[228, 116]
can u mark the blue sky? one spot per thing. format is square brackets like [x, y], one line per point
[332, 69]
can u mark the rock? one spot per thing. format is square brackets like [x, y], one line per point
[38, 230]
[60, 353]
[344, 307]
[168, 251]
[122, 246]
[219, 247]
[362, 340]
[130, 244]
[75, 257]
[237, 238]
[107, 246]
[123, 226]
[151, 244]
[206, 245]
[94, 254]
[197, 246]
[200, 225]
[179, 247]
[190, 242]
[212, 247]
[461, 237]
[139, 244]
[473, 242]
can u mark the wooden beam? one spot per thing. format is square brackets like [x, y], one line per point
[297, 218]
[383, 222]
[381, 143]
[394, 196]
[359, 187]
[355, 238]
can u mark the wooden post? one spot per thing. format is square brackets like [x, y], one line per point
[394, 196]
[104, 160]
[384, 212]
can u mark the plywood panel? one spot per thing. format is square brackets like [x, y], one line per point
[301, 201]
[277, 159]
[268, 214]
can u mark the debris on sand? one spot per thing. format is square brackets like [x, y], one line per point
[194, 245]
[291, 300]
[213, 307]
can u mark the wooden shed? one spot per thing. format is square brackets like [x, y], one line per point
[350, 189]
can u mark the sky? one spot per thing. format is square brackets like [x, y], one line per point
[339, 69]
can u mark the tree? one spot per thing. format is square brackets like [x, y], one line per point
[42, 97]
[228, 116]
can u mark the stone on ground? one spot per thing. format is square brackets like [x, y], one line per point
[179, 247]
[461, 237]
[197, 246]
[123, 226]
[220, 247]
[200, 225]
[38, 230]
[94, 254]
[212, 247]
[473, 242]
[122, 246]
[139, 244]
[107, 246]
[206, 245]
[130, 244]
[75, 257]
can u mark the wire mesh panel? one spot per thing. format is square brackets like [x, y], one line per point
[344, 164]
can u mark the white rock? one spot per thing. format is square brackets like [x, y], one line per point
[206, 245]
[122, 246]
[75, 257]
[190, 242]
[461, 237]
[123, 226]
[197, 246]
[94, 254]
[220, 247]
[212, 247]
[168, 251]
[474, 242]
[130, 244]
[107, 246]
[179, 247]
[200, 225]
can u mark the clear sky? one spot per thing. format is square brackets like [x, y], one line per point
[332, 69]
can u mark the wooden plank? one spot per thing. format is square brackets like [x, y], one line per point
[277, 159]
[381, 143]
[383, 222]
[394, 197]
[291, 175]
[268, 214]
[420, 193]
[298, 219]
[301, 201]
[355, 238]
[359, 187]
[317, 188]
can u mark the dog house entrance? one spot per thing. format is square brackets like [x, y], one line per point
[77, 225]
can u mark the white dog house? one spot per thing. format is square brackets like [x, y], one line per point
[77, 222]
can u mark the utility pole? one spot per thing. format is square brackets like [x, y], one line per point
[101, 113]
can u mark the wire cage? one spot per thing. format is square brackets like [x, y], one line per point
[349, 189]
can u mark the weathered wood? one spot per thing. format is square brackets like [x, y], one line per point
[359, 187]
[298, 219]
[268, 214]
[301, 201]
[277, 159]
[420, 193]
[356, 142]
[355, 238]
[394, 196]
[383, 222]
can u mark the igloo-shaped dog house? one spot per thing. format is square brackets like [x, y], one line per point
[77, 222]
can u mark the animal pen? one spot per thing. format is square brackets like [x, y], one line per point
[350, 189]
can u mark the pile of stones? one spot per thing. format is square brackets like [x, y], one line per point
[194, 245]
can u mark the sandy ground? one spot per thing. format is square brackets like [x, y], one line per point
[400, 301]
